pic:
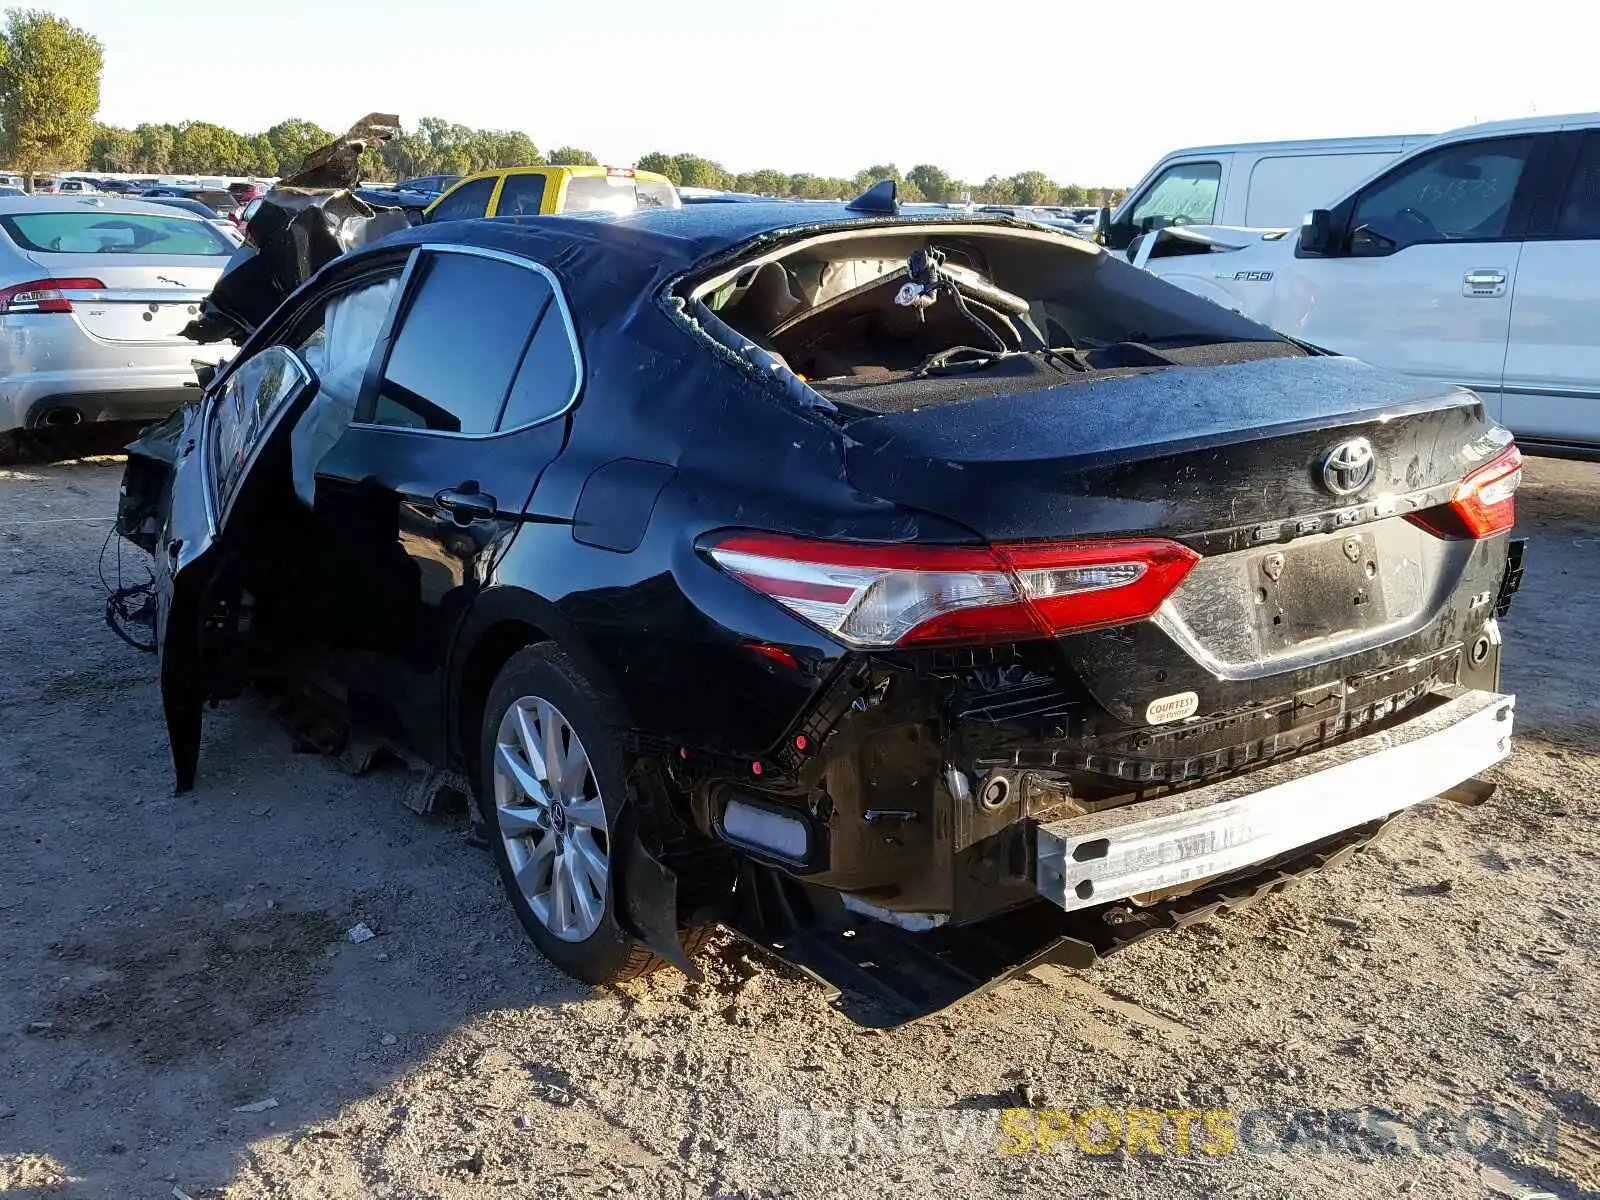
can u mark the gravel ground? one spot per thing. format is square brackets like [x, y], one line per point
[170, 962]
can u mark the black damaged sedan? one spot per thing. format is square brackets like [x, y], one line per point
[923, 597]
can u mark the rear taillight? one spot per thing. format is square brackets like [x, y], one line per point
[44, 295]
[1485, 502]
[876, 596]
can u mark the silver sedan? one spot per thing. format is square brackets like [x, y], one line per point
[94, 292]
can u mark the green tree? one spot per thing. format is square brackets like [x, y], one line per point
[49, 90]
[765, 182]
[995, 190]
[1035, 187]
[660, 162]
[932, 182]
[1075, 194]
[694, 171]
[872, 175]
[263, 158]
[571, 156]
[155, 148]
[291, 141]
[201, 148]
[113, 149]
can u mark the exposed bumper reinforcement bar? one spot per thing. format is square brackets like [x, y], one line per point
[1225, 827]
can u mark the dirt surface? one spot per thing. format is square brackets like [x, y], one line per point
[168, 962]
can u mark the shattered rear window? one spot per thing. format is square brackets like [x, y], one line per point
[88, 232]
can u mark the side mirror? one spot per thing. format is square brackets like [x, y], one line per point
[1102, 223]
[1316, 232]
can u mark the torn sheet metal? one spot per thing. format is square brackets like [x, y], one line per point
[307, 220]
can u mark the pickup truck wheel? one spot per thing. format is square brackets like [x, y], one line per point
[551, 799]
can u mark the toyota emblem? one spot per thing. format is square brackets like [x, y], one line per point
[1349, 467]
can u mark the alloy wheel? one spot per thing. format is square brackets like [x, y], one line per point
[552, 818]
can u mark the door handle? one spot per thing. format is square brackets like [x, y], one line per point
[1487, 283]
[466, 502]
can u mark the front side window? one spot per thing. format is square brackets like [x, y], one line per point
[1185, 193]
[467, 201]
[521, 196]
[1461, 192]
[244, 414]
[89, 232]
[459, 344]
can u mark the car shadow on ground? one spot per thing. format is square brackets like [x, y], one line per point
[178, 978]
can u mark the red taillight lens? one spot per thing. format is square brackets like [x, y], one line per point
[44, 295]
[875, 596]
[1485, 502]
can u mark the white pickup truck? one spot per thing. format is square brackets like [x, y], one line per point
[1473, 258]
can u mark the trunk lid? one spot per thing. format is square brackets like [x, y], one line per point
[146, 300]
[1305, 600]
[1181, 451]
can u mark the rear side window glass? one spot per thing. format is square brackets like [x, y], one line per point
[521, 196]
[468, 200]
[1184, 192]
[1580, 206]
[90, 232]
[616, 193]
[459, 344]
[548, 378]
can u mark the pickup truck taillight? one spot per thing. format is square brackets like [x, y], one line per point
[875, 596]
[1485, 502]
[44, 295]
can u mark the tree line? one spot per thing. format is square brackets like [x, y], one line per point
[439, 147]
[50, 92]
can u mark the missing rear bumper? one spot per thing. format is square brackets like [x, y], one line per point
[1224, 828]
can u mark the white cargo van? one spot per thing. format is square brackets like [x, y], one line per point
[1259, 184]
[1473, 258]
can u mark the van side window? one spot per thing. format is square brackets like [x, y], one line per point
[1456, 193]
[1185, 193]
[1579, 216]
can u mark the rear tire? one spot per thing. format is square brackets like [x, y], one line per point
[553, 834]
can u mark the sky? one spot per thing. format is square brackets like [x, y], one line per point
[1088, 91]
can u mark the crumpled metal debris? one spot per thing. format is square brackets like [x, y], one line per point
[308, 219]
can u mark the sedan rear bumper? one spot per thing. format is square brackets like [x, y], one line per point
[1161, 844]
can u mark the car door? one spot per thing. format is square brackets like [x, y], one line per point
[427, 486]
[222, 443]
[1552, 373]
[1423, 268]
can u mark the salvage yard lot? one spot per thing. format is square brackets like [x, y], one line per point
[169, 961]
